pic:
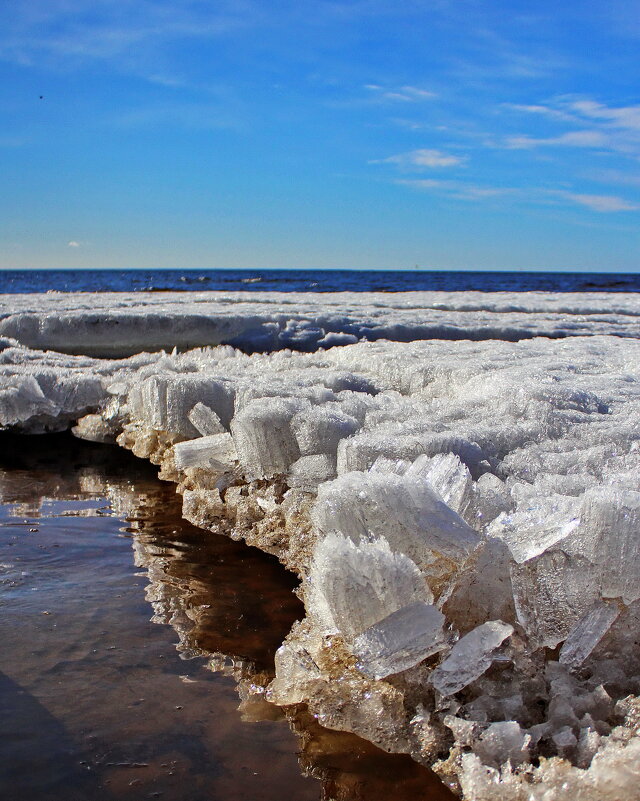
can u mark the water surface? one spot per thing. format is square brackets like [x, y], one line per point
[98, 702]
[14, 281]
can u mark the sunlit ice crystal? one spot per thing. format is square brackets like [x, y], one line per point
[205, 420]
[448, 477]
[551, 593]
[353, 586]
[403, 441]
[608, 536]
[470, 657]
[263, 436]
[402, 509]
[163, 401]
[539, 525]
[587, 633]
[319, 429]
[22, 398]
[484, 591]
[400, 640]
[216, 452]
[502, 741]
[309, 471]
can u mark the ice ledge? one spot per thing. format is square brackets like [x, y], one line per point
[121, 324]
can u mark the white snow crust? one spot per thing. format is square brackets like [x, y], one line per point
[464, 515]
[116, 324]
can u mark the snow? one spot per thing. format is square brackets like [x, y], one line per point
[464, 513]
[119, 324]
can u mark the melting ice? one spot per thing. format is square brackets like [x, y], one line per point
[464, 515]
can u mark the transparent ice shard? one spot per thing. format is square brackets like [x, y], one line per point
[216, 452]
[404, 510]
[400, 640]
[309, 471]
[22, 398]
[587, 633]
[490, 498]
[164, 401]
[319, 429]
[263, 437]
[484, 591]
[448, 477]
[608, 537]
[470, 657]
[351, 587]
[205, 420]
[551, 593]
[540, 525]
[502, 741]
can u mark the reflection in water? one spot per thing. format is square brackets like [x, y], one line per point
[220, 596]
[95, 702]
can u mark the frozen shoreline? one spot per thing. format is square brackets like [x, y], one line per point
[483, 496]
[122, 324]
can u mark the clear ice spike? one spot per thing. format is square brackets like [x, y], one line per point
[587, 633]
[400, 641]
[470, 657]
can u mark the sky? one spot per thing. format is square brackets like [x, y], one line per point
[379, 134]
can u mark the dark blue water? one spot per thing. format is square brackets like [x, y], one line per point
[18, 281]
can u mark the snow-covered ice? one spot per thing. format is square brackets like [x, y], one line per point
[462, 504]
[117, 324]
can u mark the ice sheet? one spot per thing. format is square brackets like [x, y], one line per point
[116, 324]
[464, 514]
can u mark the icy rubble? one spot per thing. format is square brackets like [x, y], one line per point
[464, 517]
[120, 324]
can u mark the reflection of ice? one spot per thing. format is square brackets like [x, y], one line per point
[232, 606]
[226, 602]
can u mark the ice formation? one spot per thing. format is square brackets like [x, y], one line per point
[464, 515]
[117, 324]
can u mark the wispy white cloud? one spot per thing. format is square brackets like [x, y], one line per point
[581, 109]
[131, 35]
[462, 190]
[73, 244]
[546, 111]
[626, 117]
[611, 128]
[402, 94]
[620, 177]
[599, 203]
[424, 158]
[458, 189]
[586, 138]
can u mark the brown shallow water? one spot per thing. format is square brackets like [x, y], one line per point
[98, 702]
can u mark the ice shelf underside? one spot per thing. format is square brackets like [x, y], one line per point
[464, 517]
[120, 324]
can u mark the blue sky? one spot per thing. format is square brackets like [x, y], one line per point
[365, 134]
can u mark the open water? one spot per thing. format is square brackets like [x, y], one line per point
[24, 281]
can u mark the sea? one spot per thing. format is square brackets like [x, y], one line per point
[29, 281]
